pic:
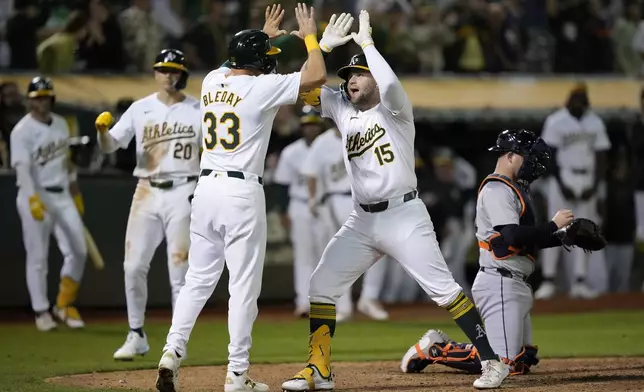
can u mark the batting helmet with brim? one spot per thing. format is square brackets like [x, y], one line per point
[357, 63]
[173, 60]
[40, 87]
[252, 49]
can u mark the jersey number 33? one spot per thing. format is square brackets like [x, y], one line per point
[214, 135]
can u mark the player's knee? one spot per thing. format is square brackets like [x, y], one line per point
[133, 269]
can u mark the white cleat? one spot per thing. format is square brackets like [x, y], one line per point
[412, 361]
[493, 372]
[45, 322]
[70, 316]
[168, 377]
[309, 379]
[581, 290]
[343, 317]
[243, 383]
[372, 309]
[547, 290]
[134, 345]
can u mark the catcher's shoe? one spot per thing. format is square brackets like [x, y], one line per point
[45, 322]
[243, 383]
[546, 291]
[309, 379]
[417, 357]
[70, 316]
[168, 377]
[134, 345]
[493, 372]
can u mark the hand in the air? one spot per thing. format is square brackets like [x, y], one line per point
[103, 122]
[563, 218]
[305, 21]
[273, 17]
[336, 32]
[363, 36]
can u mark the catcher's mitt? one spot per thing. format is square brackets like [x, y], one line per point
[583, 233]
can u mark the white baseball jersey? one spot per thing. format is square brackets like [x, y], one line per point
[238, 113]
[43, 147]
[288, 171]
[326, 162]
[576, 140]
[379, 147]
[167, 137]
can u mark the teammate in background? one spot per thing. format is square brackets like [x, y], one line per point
[307, 231]
[48, 201]
[374, 115]
[325, 173]
[228, 225]
[580, 139]
[166, 128]
[509, 239]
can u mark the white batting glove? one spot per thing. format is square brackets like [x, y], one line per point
[336, 32]
[363, 36]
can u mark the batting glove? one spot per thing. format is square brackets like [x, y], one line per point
[336, 32]
[363, 36]
[103, 122]
[37, 207]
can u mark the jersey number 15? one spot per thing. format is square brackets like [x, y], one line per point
[230, 141]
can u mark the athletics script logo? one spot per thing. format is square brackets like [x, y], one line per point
[358, 143]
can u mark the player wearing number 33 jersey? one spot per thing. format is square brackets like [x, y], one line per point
[374, 116]
[166, 127]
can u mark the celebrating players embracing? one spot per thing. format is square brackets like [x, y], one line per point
[228, 225]
[374, 116]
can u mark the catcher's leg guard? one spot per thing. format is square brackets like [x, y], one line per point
[521, 363]
[461, 356]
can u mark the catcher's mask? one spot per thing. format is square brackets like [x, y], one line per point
[174, 60]
[535, 152]
[359, 62]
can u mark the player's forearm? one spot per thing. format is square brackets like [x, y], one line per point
[314, 69]
[520, 236]
[392, 93]
[25, 181]
[106, 142]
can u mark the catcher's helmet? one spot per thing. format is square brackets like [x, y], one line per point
[357, 62]
[310, 116]
[41, 86]
[535, 151]
[173, 59]
[252, 49]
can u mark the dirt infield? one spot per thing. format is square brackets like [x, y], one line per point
[558, 375]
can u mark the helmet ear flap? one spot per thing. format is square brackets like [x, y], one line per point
[182, 82]
[345, 91]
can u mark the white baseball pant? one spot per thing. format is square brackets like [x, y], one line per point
[228, 226]
[62, 218]
[154, 214]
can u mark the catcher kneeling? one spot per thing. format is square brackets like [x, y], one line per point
[509, 239]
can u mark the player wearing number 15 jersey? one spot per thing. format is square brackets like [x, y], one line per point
[166, 127]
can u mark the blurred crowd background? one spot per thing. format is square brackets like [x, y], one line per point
[428, 38]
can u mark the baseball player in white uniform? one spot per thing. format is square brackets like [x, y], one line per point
[374, 115]
[48, 202]
[509, 238]
[326, 175]
[228, 226]
[307, 231]
[580, 139]
[166, 127]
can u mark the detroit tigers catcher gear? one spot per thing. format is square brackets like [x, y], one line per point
[535, 151]
[173, 59]
[41, 86]
[252, 49]
[582, 233]
[357, 62]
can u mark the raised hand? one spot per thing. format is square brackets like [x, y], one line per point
[273, 17]
[336, 32]
[363, 36]
[305, 21]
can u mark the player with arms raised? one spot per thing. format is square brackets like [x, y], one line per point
[167, 129]
[228, 226]
[374, 116]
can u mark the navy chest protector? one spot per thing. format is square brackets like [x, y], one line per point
[495, 243]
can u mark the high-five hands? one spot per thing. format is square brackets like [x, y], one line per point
[336, 32]
[363, 36]
[305, 21]
[273, 16]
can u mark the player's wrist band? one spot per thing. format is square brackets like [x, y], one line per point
[311, 42]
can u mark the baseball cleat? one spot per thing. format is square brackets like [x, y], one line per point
[343, 317]
[309, 379]
[168, 377]
[493, 372]
[581, 290]
[45, 322]
[547, 290]
[134, 345]
[70, 316]
[372, 309]
[243, 383]
[417, 357]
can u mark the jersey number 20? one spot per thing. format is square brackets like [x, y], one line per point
[228, 142]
